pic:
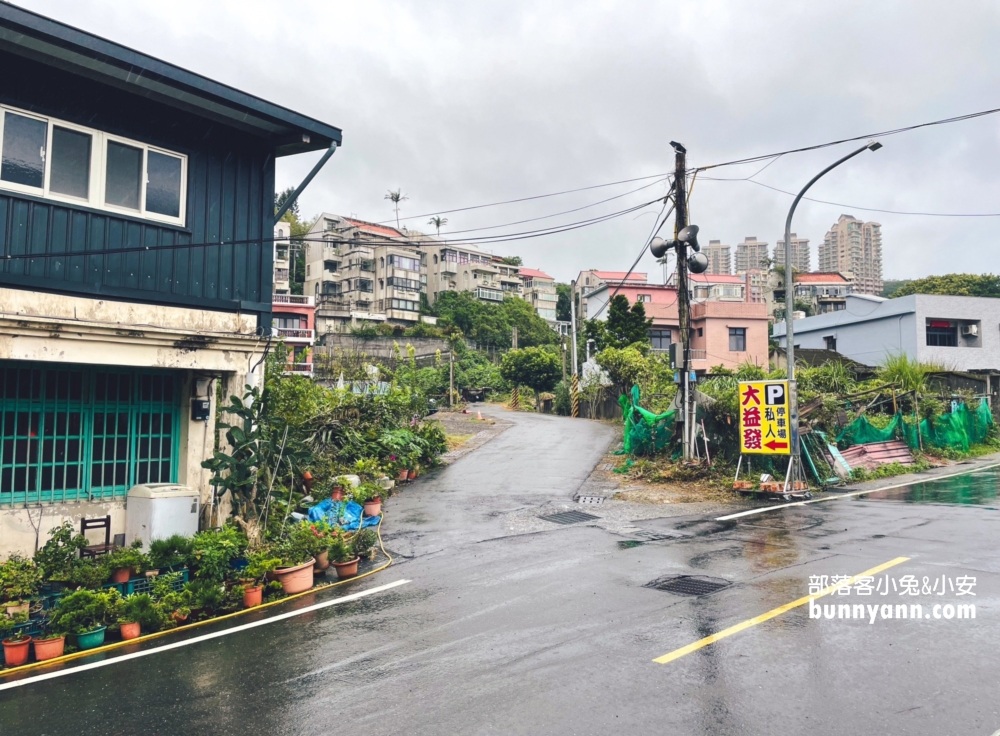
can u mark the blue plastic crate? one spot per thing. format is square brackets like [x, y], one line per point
[145, 584]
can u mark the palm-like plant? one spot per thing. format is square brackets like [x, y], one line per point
[437, 222]
[396, 197]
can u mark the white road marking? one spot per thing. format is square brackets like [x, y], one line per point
[764, 509]
[204, 637]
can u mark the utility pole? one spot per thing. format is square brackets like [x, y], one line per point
[451, 378]
[513, 337]
[575, 385]
[683, 297]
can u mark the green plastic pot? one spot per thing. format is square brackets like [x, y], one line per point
[91, 639]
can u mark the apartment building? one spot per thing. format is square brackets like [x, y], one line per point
[801, 257]
[751, 254]
[719, 257]
[592, 279]
[540, 291]
[293, 315]
[452, 267]
[854, 248]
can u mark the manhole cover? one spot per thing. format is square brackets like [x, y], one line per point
[569, 517]
[594, 500]
[688, 584]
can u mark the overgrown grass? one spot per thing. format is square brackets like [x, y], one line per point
[889, 470]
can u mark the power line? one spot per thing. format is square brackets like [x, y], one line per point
[660, 221]
[882, 134]
[865, 209]
[528, 199]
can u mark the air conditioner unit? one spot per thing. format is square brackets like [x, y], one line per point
[970, 330]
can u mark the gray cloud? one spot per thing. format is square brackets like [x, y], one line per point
[464, 103]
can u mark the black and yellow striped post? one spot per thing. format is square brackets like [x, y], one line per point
[575, 394]
[515, 399]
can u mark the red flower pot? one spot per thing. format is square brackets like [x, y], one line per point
[322, 561]
[15, 653]
[49, 648]
[131, 630]
[347, 569]
[297, 579]
[252, 596]
[121, 575]
[373, 507]
[404, 475]
[337, 494]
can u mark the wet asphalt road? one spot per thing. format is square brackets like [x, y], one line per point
[513, 625]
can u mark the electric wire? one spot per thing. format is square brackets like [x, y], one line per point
[868, 136]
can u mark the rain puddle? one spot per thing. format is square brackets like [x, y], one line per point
[978, 488]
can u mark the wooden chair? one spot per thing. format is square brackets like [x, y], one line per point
[93, 550]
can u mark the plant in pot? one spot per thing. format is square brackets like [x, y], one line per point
[214, 551]
[365, 543]
[89, 572]
[342, 554]
[260, 563]
[370, 496]
[139, 612]
[126, 562]
[51, 643]
[175, 604]
[172, 553]
[20, 579]
[313, 537]
[340, 485]
[16, 641]
[86, 614]
[295, 571]
[58, 555]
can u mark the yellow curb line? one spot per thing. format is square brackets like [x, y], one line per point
[197, 624]
[711, 639]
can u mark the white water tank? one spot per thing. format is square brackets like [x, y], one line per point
[159, 510]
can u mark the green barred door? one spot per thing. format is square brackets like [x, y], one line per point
[85, 432]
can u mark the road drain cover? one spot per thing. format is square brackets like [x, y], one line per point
[688, 584]
[593, 500]
[569, 517]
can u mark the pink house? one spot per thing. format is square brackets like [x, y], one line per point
[723, 332]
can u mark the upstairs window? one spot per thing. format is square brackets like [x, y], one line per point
[942, 333]
[69, 163]
[738, 339]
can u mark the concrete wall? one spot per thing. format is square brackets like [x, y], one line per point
[973, 353]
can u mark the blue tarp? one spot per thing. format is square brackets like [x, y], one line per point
[344, 514]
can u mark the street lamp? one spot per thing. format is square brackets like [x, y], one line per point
[790, 299]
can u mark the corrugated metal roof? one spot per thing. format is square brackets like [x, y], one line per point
[873, 455]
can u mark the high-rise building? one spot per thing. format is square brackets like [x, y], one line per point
[720, 260]
[854, 248]
[800, 254]
[750, 254]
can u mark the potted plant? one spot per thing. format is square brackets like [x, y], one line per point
[139, 612]
[365, 543]
[58, 555]
[295, 571]
[260, 563]
[20, 579]
[51, 643]
[214, 551]
[370, 496]
[86, 614]
[340, 484]
[175, 604]
[126, 562]
[345, 561]
[15, 640]
[313, 538]
[89, 572]
[170, 554]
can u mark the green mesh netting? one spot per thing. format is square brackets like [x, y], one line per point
[646, 433]
[956, 431]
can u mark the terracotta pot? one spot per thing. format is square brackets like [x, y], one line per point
[297, 579]
[252, 596]
[337, 494]
[121, 575]
[373, 507]
[347, 569]
[49, 648]
[14, 608]
[179, 617]
[404, 474]
[130, 630]
[15, 653]
[414, 473]
[322, 561]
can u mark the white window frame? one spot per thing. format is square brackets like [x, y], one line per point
[98, 170]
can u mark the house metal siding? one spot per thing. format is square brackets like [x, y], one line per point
[230, 179]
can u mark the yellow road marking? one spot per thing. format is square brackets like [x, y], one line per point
[695, 646]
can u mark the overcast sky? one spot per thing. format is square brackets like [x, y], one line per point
[464, 103]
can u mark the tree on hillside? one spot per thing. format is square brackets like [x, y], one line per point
[891, 286]
[512, 261]
[279, 200]
[626, 325]
[396, 197]
[491, 324]
[625, 366]
[535, 368]
[565, 293]
[954, 284]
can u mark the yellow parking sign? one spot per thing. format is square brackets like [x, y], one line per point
[765, 421]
